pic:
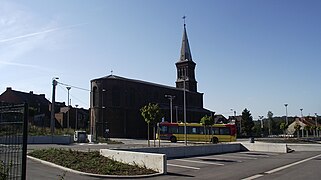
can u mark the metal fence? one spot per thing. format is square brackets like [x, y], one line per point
[13, 141]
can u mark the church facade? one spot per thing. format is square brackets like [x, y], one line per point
[115, 101]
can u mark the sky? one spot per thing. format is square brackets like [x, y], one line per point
[250, 54]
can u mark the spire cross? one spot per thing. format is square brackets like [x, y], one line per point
[184, 17]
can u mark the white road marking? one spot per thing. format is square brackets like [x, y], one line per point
[281, 168]
[259, 153]
[253, 177]
[220, 159]
[188, 167]
[201, 162]
[240, 157]
[254, 155]
[292, 164]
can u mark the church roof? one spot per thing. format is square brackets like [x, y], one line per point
[186, 54]
[141, 82]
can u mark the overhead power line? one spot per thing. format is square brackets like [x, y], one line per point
[73, 86]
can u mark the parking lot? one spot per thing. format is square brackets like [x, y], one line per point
[240, 165]
[246, 165]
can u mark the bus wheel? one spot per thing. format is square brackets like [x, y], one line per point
[173, 139]
[214, 140]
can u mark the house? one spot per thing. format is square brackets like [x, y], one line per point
[38, 104]
[39, 109]
[307, 126]
[78, 118]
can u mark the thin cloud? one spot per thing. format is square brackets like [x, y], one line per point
[24, 65]
[39, 33]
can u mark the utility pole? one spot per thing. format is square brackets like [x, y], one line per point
[261, 118]
[68, 113]
[286, 114]
[185, 135]
[176, 114]
[52, 117]
[76, 127]
[316, 124]
[103, 124]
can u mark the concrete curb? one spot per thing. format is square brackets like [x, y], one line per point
[91, 174]
[305, 147]
[156, 162]
[266, 147]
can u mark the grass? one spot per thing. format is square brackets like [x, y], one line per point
[90, 162]
[45, 131]
[108, 141]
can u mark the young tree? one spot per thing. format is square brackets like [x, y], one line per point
[247, 122]
[152, 115]
[272, 123]
[207, 121]
[297, 128]
[283, 127]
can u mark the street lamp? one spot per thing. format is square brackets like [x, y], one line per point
[185, 135]
[170, 97]
[176, 113]
[102, 111]
[68, 114]
[76, 117]
[316, 124]
[52, 115]
[261, 118]
[301, 112]
[286, 114]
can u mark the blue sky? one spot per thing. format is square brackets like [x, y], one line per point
[251, 54]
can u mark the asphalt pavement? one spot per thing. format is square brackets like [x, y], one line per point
[240, 165]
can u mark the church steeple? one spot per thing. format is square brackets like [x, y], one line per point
[186, 66]
[185, 50]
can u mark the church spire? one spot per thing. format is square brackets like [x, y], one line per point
[185, 50]
[186, 66]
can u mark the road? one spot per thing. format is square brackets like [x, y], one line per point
[241, 165]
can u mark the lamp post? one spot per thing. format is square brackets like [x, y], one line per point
[261, 118]
[301, 112]
[102, 111]
[76, 127]
[170, 97]
[52, 115]
[68, 113]
[286, 114]
[316, 124]
[185, 135]
[176, 113]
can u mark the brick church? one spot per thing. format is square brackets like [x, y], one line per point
[115, 101]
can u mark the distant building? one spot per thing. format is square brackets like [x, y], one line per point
[307, 121]
[237, 120]
[116, 101]
[39, 109]
[78, 117]
[38, 104]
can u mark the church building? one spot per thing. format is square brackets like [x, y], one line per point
[115, 101]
